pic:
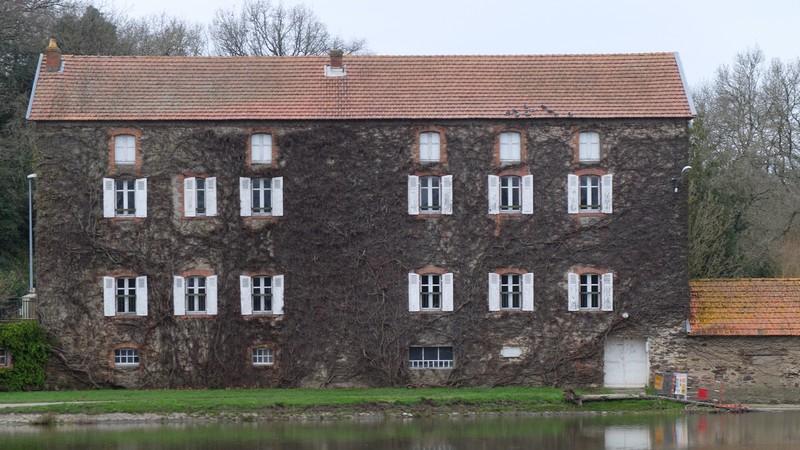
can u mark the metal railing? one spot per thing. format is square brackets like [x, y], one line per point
[20, 308]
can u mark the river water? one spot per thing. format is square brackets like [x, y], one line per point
[768, 430]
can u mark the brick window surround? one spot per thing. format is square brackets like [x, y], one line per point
[113, 167]
[442, 145]
[523, 146]
[249, 156]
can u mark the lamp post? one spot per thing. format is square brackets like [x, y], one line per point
[30, 232]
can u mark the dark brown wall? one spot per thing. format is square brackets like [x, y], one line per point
[346, 244]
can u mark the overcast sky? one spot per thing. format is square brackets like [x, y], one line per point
[706, 33]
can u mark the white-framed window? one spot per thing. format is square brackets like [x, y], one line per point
[126, 357]
[430, 195]
[5, 357]
[590, 194]
[590, 291]
[510, 194]
[261, 148]
[511, 292]
[430, 357]
[125, 296]
[261, 294]
[430, 292]
[589, 146]
[510, 147]
[124, 198]
[200, 196]
[429, 147]
[511, 352]
[124, 149]
[261, 196]
[194, 295]
[263, 356]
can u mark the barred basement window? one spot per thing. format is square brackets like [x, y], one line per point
[430, 357]
[263, 356]
[126, 357]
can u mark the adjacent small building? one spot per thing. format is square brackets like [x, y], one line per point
[362, 220]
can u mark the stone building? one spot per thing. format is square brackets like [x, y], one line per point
[362, 220]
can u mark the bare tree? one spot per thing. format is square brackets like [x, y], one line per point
[263, 28]
[162, 35]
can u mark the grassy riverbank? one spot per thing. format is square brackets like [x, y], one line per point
[338, 402]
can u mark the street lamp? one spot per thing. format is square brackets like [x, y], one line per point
[30, 232]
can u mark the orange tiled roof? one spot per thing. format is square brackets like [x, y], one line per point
[375, 87]
[745, 307]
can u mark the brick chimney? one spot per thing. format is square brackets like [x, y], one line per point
[336, 59]
[52, 55]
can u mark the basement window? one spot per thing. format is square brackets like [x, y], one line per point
[5, 357]
[430, 357]
[263, 356]
[126, 357]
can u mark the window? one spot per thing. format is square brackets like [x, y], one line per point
[200, 196]
[261, 196]
[124, 149]
[430, 357]
[589, 147]
[511, 352]
[125, 296]
[5, 358]
[261, 294]
[429, 146]
[195, 295]
[510, 194]
[124, 198]
[261, 148]
[510, 148]
[589, 193]
[430, 292]
[430, 195]
[511, 291]
[126, 357]
[263, 356]
[591, 291]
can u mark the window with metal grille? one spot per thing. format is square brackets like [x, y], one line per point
[430, 357]
[126, 357]
[263, 356]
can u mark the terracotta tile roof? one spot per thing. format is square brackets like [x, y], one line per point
[375, 87]
[745, 307]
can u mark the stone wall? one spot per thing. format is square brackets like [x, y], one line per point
[346, 244]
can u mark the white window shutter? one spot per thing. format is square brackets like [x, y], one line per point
[211, 196]
[246, 294]
[109, 297]
[447, 292]
[277, 294]
[447, 194]
[494, 292]
[573, 198]
[527, 194]
[607, 300]
[109, 198]
[573, 292]
[527, 292]
[245, 197]
[141, 296]
[140, 197]
[277, 196]
[189, 197]
[606, 191]
[494, 194]
[413, 292]
[211, 295]
[413, 195]
[179, 296]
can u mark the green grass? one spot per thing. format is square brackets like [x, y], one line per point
[292, 401]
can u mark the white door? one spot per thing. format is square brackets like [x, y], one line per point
[626, 362]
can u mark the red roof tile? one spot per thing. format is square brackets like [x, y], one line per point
[375, 87]
[745, 307]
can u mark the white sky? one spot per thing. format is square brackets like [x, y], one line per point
[706, 33]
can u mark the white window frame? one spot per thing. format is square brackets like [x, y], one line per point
[430, 147]
[124, 149]
[111, 296]
[589, 146]
[110, 193]
[126, 357]
[415, 292]
[263, 356]
[246, 289]
[431, 363]
[605, 294]
[261, 148]
[191, 194]
[415, 193]
[526, 292]
[180, 295]
[246, 196]
[574, 194]
[495, 189]
[510, 147]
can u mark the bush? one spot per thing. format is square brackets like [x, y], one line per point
[27, 345]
